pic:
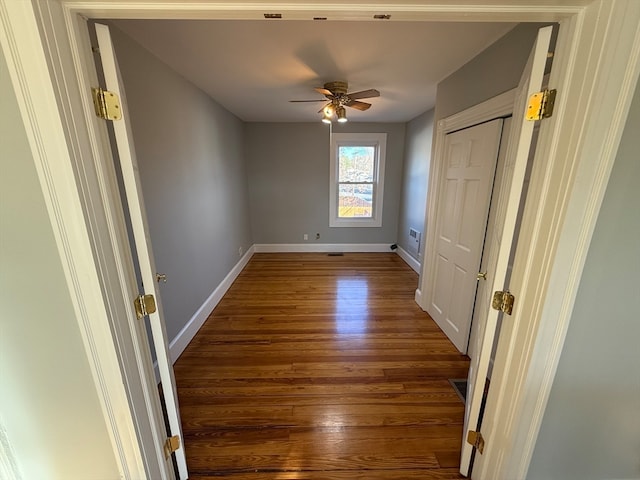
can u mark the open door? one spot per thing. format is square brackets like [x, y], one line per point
[491, 245]
[135, 206]
[510, 199]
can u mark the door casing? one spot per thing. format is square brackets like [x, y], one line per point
[598, 52]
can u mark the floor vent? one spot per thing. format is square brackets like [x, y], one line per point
[460, 386]
[335, 254]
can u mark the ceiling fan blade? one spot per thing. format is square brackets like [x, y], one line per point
[364, 94]
[323, 91]
[305, 101]
[362, 106]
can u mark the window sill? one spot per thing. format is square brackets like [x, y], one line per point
[352, 222]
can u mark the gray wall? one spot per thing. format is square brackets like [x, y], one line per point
[591, 427]
[191, 157]
[48, 405]
[415, 177]
[288, 165]
[494, 71]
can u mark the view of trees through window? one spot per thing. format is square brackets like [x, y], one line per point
[355, 181]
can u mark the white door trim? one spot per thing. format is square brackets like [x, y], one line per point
[19, 38]
[598, 48]
[496, 107]
[9, 469]
[602, 70]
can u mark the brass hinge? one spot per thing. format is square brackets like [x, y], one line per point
[107, 104]
[476, 439]
[503, 301]
[171, 445]
[541, 105]
[144, 305]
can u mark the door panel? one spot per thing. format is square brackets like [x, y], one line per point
[444, 274]
[472, 193]
[448, 230]
[470, 156]
[136, 213]
[509, 200]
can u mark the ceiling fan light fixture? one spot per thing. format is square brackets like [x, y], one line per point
[337, 97]
[341, 113]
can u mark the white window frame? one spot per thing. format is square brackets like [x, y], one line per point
[379, 142]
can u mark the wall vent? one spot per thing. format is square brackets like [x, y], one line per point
[414, 240]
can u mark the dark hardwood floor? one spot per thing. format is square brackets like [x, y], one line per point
[321, 367]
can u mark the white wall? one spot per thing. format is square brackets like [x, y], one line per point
[288, 165]
[48, 400]
[190, 151]
[591, 426]
[417, 161]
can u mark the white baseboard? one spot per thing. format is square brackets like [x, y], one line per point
[182, 339]
[418, 298]
[321, 247]
[178, 344]
[409, 260]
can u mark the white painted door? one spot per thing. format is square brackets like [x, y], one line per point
[509, 201]
[137, 215]
[470, 157]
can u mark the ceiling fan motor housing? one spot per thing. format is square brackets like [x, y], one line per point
[337, 88]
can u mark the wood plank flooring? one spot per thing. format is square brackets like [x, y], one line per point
[317, 367]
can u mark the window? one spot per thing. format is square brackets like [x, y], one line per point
[357, 177]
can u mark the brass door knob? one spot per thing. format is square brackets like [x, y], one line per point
[161, 277]
[482, 275]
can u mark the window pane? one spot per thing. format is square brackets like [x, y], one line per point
[355, 200]
[356, 163]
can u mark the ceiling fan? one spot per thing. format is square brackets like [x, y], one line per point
[336, 93]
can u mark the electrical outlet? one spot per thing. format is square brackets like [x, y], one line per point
[317, 236]
[305, 236]
[240, 251]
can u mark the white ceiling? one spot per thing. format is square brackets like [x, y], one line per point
[253, 68]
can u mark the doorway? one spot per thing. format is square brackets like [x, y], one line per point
[602, 120]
